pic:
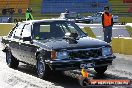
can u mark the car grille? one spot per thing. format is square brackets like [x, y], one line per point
[83, 54]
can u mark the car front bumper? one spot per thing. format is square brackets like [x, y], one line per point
[71, 64]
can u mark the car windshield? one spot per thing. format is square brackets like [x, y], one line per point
[56, 29]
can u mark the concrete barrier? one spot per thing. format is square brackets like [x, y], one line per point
[5, 28]
[117, 44]
[89, 32]
[127, 46]
[122, 45]
[129, 24]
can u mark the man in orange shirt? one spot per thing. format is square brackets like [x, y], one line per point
[107, 23]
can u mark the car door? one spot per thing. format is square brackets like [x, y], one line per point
[14, 41]
[27, 48]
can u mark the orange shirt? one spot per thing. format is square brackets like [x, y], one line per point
[107, 20]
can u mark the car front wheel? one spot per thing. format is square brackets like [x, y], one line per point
[11, 61]
[100, 70]
[42, 68]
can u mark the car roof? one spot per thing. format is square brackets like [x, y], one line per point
[43, 20]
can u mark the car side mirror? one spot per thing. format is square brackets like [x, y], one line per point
[28, 39]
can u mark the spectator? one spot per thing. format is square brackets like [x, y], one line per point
[28, 14]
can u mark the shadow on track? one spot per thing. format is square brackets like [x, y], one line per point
[59, 79]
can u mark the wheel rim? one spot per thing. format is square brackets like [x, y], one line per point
[8, 57]
[40, 67]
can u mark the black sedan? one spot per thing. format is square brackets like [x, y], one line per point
[54, 44]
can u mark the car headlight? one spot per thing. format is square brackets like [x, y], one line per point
[106, 51]
[62, 55]
[59, 55]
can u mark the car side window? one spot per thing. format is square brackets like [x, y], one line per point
[26, 32]
[17, 31]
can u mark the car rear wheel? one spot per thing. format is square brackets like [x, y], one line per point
[42, 69]
[11, 61]
[100, 70]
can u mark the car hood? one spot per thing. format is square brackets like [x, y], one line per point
[83, 43]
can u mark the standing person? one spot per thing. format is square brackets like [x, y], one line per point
[107, 23]
[28, 14]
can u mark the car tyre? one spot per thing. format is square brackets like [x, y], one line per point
[100, 70]
[11, 61]
[42, 69]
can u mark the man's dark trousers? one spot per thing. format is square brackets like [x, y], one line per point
[108, 34]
